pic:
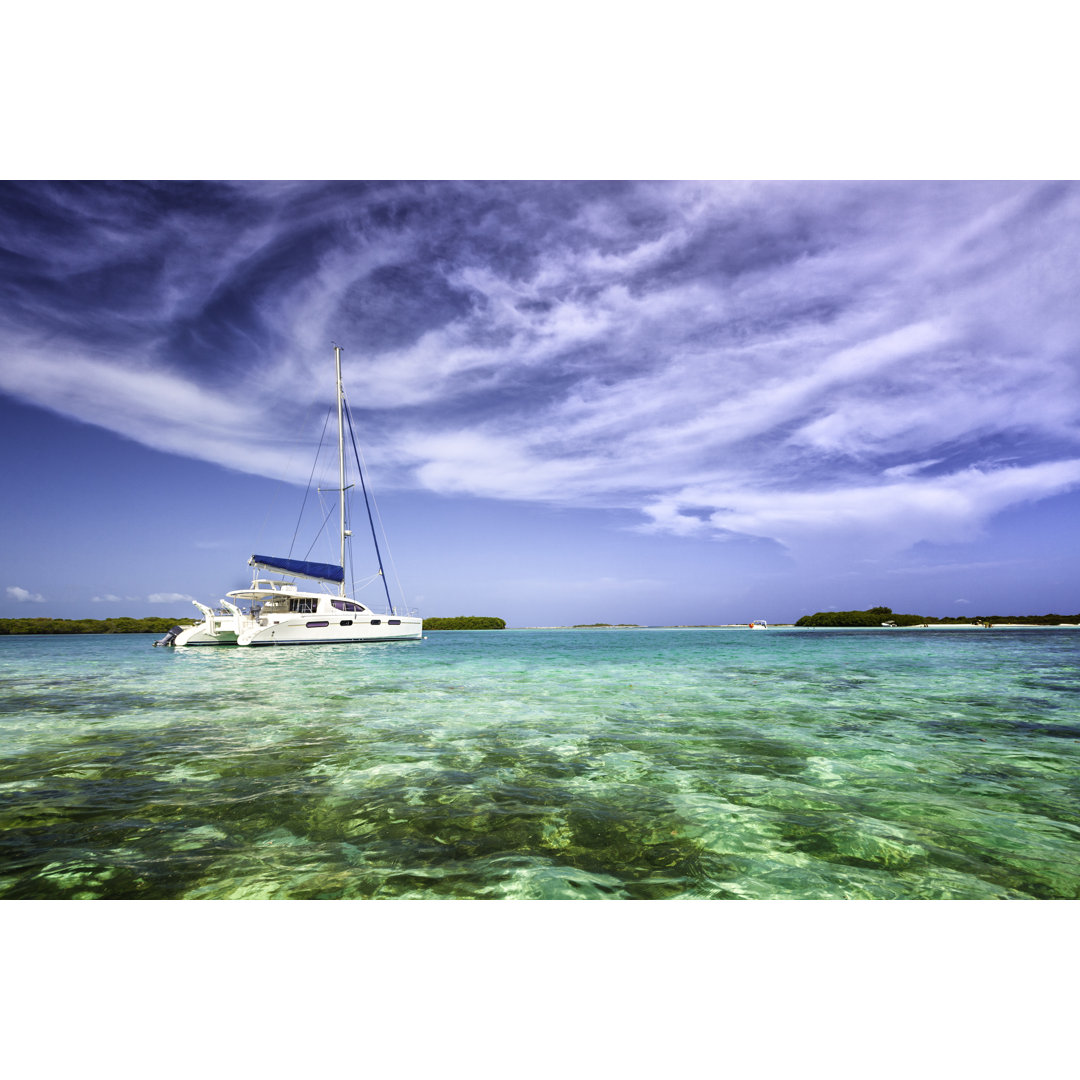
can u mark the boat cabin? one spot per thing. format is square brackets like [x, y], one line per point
[278, 598]
[308, 605]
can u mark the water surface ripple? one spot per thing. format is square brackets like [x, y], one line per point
[637, 764]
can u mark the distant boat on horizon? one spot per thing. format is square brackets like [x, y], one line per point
[759, 624]
[279, 613]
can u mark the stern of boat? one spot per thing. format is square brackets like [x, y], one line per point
[215, 629]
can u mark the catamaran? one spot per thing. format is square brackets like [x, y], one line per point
[278, 612]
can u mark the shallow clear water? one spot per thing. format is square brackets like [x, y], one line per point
[643, 764]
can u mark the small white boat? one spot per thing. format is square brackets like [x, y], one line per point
[759, 624]
[279, 613]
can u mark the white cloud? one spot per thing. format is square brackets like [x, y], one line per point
[24, 596]
[163, 409]
[495, 467]
[867, 519]
[168, 598]
[954, 568]
[898, 472]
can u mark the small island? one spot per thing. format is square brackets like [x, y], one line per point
[466, 622]
[153, 625]
[884, 616]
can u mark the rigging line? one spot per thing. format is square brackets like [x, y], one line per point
[307, 491]
[354, 585]
[275, 498]
[367, 504]
[329, 508]
[389, 553]
[320, 532]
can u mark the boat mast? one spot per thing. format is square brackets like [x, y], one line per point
[341, 461]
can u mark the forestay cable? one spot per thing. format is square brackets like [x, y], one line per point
[367, 505]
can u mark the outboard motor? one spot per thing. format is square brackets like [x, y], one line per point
[170, 637]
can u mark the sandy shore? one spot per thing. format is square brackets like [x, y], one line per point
[995, 626]
[791, 626]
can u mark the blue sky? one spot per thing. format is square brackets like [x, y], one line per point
[654, 402]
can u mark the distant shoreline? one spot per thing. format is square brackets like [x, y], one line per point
[159, 626]
[792, 626]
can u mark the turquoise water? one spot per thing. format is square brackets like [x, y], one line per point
[645, 764]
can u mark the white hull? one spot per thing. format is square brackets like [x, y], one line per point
[314, 628]
[409, 630]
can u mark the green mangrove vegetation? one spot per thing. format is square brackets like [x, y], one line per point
[91, 626]
[466, 622]
[884, 616]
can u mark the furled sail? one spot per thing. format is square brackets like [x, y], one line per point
[320, 571]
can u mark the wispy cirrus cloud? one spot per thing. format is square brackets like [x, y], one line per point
[868, 519]
[878, 363]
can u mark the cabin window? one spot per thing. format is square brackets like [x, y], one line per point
[304, 605]
[376, 622]
[347, 605]
[312, 625]
[346, 622]
[395, 622]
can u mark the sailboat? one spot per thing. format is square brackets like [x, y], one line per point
[278, 612]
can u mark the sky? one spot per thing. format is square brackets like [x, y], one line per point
[578, 401]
